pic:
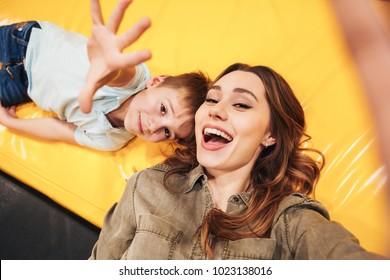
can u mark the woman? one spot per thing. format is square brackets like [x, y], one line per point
[238, 192]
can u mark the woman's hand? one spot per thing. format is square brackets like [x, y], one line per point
[105, 50]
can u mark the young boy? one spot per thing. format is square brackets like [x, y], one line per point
[119, 99]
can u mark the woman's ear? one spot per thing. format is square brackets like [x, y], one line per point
[155, 80]
[268, 140]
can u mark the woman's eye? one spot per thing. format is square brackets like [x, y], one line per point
[242, 106]
[211, 100]
[163, 109]
[167, 133]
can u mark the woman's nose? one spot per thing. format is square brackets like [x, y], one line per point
[218, 111]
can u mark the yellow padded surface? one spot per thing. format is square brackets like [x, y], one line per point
[300, 39]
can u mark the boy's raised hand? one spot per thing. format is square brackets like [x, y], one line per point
[105, 50]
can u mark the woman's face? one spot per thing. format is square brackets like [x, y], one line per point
[233, 123]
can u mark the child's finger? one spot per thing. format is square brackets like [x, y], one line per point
[132, 35]
[133, 58]
[96, 12]
[117, 15]
[85, 98]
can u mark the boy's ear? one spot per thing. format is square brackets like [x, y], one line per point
[155, 80]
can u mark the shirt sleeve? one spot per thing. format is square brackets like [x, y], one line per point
[312, 236]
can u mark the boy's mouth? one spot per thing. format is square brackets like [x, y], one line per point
[140, 124]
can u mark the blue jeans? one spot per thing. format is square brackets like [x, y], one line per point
[13, 77]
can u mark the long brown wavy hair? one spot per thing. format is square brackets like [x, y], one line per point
[281, 169]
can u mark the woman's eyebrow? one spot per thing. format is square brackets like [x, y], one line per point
[239, 90]
[243, 90]
[215, 87]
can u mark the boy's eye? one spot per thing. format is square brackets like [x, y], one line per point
[167, 133]
[163, 109]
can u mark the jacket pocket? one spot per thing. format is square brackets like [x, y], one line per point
[250, 249]
[155, 239]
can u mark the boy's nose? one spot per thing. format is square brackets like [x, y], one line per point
[154, 125]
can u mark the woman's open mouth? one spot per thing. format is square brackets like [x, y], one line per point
[215, 135]
[215, 138]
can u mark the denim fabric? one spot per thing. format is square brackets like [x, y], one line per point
[13, 77]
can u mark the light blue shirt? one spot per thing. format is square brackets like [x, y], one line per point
[57, 64]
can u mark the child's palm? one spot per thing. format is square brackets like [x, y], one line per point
[105, 50]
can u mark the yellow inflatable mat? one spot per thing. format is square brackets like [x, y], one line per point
[300, 39]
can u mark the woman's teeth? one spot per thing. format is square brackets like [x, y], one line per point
[217, 132]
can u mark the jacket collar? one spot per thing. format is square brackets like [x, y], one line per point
[194, 176]
[179, 183]
[186, 183]
[198, 173]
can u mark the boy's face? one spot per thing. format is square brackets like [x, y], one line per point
[156, 114]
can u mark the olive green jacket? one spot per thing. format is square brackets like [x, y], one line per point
[151, 223]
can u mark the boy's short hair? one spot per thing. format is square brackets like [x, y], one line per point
[193, 88]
